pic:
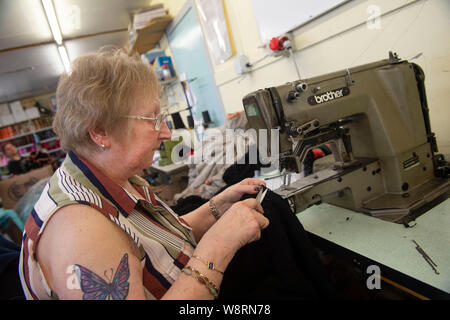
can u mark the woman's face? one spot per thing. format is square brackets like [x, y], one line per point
[10, 150]
[136, 147]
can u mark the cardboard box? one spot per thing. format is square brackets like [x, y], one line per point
[28, 103]
[7, 120]
[12, 189]
[143, 17]
[32, 113]
[20, 116]
[4, 109]
[148, 37]
[16, 107]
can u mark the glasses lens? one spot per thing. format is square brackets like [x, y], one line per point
[159, 120]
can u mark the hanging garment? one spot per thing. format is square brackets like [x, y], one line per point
[211, 159]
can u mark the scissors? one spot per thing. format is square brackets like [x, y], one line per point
[261, 195]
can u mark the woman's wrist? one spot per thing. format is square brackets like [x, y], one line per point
[220, 204]
[212, 249]
[213, 209]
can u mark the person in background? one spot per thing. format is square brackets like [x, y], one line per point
[20, 165]
[40, 158]
[16, 164]
[98, 231]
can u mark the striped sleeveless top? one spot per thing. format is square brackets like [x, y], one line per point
[165, 241]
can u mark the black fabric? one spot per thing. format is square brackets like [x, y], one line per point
[283, 264]
[238, 172]
[19, 166]
[188, 204]
[10, 286]
[39, 159]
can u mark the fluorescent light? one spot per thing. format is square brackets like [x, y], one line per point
[52, 20]
[64, 58]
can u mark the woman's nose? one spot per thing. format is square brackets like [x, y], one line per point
[164, 132]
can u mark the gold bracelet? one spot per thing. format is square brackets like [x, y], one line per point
[202, 279]
[213, 209]
[209, 264]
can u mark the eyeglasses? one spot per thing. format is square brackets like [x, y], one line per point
[160, 118]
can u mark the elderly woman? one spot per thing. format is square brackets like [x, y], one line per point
[98, 231]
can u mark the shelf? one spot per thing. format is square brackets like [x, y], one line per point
[25, 134]
[14, 123]
[25, 146]
[54, 150]
[43, 129]
[149, 36]
[48, 140]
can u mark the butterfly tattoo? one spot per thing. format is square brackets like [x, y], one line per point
[96, 288]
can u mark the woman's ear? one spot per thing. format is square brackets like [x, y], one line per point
[100, 138]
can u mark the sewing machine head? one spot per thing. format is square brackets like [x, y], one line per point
[374, 118]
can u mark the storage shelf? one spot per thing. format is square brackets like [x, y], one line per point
[54, 150]
[14, 123]
[149, 36]
[25, 134]
[48, 140]
[25, 146]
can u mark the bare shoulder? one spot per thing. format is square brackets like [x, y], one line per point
[80, 236]
[76, 227]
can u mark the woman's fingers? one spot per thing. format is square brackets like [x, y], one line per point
[253, 181]
[247, 188]
[262, 221]
[253, 204]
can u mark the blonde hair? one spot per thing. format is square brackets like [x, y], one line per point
[97, 94]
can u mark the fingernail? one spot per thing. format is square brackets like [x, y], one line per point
[258, 188]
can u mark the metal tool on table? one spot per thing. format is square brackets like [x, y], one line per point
[374, 118]
[426, 257]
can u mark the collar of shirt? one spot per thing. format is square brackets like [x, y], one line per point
[111, 190]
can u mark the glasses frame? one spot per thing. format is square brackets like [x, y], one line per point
[159, 119]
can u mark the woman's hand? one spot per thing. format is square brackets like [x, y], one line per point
[241, 224]
[201, 219]
[246, 219]
[234, 193]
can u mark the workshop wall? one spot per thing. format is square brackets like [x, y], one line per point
[343, 38]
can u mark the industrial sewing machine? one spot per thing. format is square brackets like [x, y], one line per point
[375, 120]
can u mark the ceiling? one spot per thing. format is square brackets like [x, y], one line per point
[29, 61]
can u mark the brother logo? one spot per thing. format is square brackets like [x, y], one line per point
[328, 96]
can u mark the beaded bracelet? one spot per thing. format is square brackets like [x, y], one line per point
[202, 279]
[213, 209]
[209, 264]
